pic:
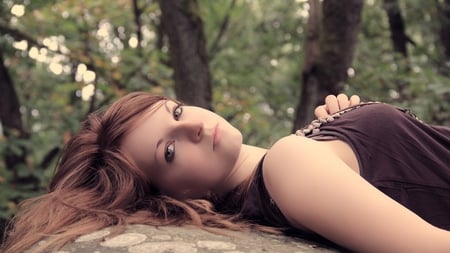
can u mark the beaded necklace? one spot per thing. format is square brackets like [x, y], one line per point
[314, 126]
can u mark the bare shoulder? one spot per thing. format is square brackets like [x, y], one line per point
[317, 191]
[287, 154]
[283, 146]
[291, 151]
[292, 167]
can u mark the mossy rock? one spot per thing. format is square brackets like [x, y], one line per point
[144, 239]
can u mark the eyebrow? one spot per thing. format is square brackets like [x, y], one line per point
[155, 156]
[166, 106]
[158, 143]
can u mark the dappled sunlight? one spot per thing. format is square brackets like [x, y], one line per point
[303, 13]
[394, 94]
[50, 43]
[21, 45]
[87, 92]
[290, 111]
[84, 75]
[108, 42]
[38, 55]
[89, 76]
[246, 117]
[55, 68]
[81, 69]
[274, 62]
[133, 42]
[350, 72]
[18, 10]
[54, 61]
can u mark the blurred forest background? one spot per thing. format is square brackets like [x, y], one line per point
[262, 64]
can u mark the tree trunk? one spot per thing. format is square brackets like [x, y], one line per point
[137, 21]
[305, 106]
[445, 27]
[337, 44]
[11, 120]
[10, 116]
[188, 53]
[397, 27]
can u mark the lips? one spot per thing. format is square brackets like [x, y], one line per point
[216, 136]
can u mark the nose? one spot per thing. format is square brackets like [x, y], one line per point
[192, 130]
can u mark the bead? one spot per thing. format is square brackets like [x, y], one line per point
[272, 202]
[299, 133]
[323, 120]
[316, 124]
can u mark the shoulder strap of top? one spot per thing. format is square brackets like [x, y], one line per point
[259, 206]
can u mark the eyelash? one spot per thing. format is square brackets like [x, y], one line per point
[169, 151]
[177, 112]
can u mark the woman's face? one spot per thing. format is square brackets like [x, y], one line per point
[186, 150]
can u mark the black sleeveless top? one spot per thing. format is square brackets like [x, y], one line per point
[397, 153]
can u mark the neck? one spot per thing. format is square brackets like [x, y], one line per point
[246, 164]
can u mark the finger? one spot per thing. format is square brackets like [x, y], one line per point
[332, 104]
[354, 100]
[321, 111]
[343, 101]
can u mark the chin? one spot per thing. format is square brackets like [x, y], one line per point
[238, 134]
[238, 141]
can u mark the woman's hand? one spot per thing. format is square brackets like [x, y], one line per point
[335, 103]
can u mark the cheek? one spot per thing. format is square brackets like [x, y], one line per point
[197, 169]
[193, 162]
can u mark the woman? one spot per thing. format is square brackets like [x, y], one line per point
[371, 178]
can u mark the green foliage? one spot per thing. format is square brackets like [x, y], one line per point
[257, 68]
[255, 65]
[68, 33]
[419, 82]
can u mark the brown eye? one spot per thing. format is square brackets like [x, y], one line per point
[169, 152]
[177, 111]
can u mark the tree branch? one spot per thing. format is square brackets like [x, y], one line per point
[137, 20]
[18, 35]
[223, 27]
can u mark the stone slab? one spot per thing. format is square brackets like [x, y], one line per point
[144, 239]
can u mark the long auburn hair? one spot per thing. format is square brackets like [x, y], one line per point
[96, 185]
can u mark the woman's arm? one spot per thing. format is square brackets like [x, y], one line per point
[315, 189]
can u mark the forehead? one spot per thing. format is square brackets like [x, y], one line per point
[147, 115]
[141, 139]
